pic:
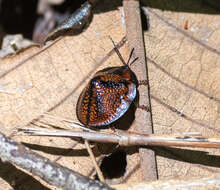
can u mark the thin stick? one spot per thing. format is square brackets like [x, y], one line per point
[98, 170]
[143, 121]
[211, 182]
[129, 139]
[50, 172]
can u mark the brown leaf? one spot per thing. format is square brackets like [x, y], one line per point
[183, 71]
[51, 82]
[184, 78]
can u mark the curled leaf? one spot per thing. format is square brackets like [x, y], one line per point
[74, 24]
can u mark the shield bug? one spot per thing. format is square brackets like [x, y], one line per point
[108, 95]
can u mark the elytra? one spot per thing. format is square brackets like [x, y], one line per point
[108, 95]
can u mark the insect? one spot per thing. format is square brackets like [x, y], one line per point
[108, 95]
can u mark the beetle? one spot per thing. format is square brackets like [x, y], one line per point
[108, 95]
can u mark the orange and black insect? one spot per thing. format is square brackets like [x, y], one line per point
[108, 95]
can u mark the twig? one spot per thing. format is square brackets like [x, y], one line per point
[143, 119]
[99, 172]
[209, 183]
[130, 139]
[50, 172]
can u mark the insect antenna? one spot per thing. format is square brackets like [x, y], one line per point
[130, 58]
[134, 61]
[118, 53]
[120, 56]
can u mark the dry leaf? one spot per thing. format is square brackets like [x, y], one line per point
[52, 81]
[183, 83]
[74, 24]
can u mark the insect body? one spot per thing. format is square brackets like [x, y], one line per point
[107, 96]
